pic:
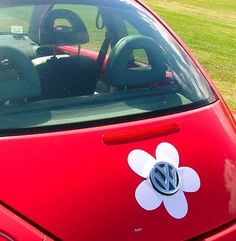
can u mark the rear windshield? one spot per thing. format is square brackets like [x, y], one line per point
[90, 62]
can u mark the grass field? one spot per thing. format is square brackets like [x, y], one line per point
[209, 30]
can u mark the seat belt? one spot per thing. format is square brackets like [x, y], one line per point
[104, 49]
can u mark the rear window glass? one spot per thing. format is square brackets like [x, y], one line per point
[91, 62]
[18, 16]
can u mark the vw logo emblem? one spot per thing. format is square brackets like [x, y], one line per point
[165, 178]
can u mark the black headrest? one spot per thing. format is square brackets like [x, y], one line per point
[118, 72]
[49, 34]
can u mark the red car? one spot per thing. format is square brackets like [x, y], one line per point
[110, 129]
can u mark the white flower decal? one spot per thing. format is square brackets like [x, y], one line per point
[165, 181]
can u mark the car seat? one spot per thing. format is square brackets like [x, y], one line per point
[18, 78]
[63, 75]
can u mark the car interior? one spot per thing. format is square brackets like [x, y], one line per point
[86, 64]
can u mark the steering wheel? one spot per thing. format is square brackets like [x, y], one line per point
[63, 28]
[26, 84]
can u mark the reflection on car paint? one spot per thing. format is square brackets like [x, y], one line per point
[230, 183]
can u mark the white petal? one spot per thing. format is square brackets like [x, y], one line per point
[190, 181]
[166, 152]
[176, 205]
[141, 162]
[147, 197]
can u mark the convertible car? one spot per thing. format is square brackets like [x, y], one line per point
[110, 130]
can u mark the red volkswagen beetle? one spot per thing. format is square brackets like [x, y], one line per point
[109, 128]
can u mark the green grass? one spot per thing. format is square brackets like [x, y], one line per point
[10, 15]
[209, 30]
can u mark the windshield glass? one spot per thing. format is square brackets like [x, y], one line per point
[84, 62]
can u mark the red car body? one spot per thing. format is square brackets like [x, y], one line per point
[77, 185]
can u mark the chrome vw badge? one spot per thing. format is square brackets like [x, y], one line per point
[165, 178]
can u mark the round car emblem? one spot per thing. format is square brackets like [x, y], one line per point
[165, 178]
